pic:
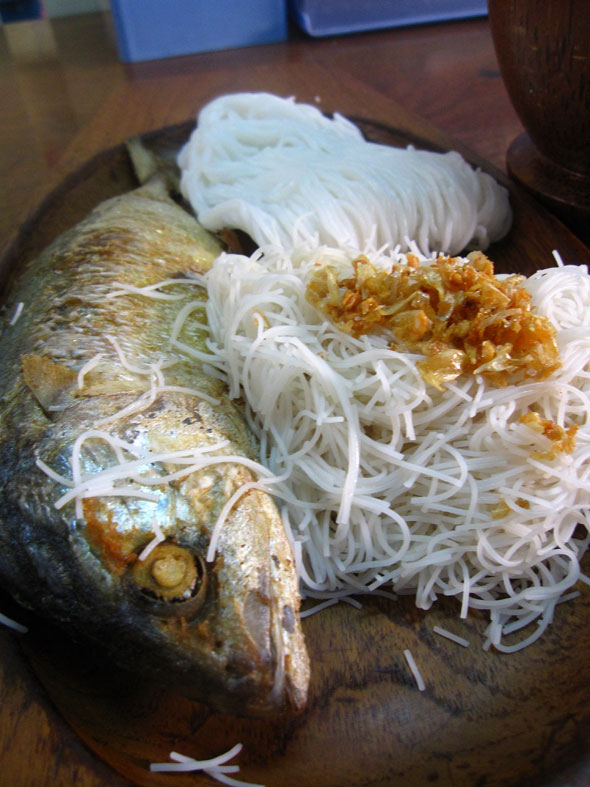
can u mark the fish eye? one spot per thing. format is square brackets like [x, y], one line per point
[172, 581]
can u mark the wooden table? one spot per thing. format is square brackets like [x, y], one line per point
[65, 97]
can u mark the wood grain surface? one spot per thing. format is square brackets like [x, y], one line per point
[367, 723]
[66, 717]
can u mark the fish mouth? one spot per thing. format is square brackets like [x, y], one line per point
[272, 627]
[257, 596]
[268, 648]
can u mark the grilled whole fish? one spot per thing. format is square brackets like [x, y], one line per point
[98, 404]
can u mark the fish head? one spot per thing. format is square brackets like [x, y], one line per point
[218, 624]
[230, 624]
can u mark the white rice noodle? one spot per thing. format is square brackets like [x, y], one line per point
[414, 670]
[227, 508]
[153, 290]
[91, 364]
[153, 374]
[449, 635]
[142, 472]
[214, 767]
[17, 313]
[329, 602]
[393, 484]
[158, 538]
[12, 624]
[147, 398]
[266, 165]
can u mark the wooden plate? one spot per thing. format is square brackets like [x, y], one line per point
[484, 718]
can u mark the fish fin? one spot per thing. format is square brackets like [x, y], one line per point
[51, 383]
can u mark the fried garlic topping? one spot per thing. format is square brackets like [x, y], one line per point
[454, 311]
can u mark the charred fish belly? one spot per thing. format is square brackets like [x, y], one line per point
[118, 456]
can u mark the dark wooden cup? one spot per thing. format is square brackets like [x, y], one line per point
[543, 50]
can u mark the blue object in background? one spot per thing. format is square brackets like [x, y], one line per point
[20, 10]
[332, 17]
[151, 29]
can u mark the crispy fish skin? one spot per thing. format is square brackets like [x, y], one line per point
[232, 637]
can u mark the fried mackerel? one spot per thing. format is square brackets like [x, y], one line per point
[79, 363]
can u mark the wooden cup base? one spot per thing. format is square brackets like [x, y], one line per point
[565, 192]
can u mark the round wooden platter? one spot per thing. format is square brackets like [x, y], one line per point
[484, 718]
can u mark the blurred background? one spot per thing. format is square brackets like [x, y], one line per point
[20, 10]
[153, 29]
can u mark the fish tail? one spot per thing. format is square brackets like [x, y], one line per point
[153, 169]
